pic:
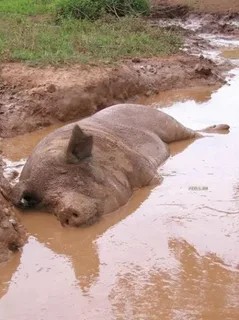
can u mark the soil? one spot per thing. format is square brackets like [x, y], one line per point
[215, 17]
[12, 233]
[32, 98]
[209, 6]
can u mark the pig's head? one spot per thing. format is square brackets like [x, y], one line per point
[60, 175]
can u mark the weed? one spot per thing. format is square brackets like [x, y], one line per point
[93, 9]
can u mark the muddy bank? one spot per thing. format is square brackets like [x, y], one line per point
[32, 98]
[209, 20]
[164, 9]
[213, 23]
[201, 32]
[12, 233]
[173, 8]
[190, 19]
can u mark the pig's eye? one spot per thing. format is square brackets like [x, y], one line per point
[29, 200]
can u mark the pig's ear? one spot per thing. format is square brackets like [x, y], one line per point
[80, 145]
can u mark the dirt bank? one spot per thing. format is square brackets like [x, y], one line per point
[32, 98]
[204, 6]
[12, 234]
[224, 21]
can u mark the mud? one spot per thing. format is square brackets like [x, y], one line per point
[166, 10]
[218, 24]
[206, 6]
[231, 54]
[33, 98]
[12, 233]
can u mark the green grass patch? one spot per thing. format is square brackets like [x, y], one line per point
[94, 9]
[27, 7]
[38, 40]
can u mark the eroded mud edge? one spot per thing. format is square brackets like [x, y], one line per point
[12, 233]
[31, 98]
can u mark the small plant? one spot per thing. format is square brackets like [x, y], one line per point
[124, 7]
[79, 9]
[93, 9]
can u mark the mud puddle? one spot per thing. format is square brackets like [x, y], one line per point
[231, 53]
[170, 253]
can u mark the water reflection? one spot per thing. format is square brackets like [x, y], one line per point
[20, 147]
[6, 272]
[79, 245]
[167, 98]
[63, 254]
[198, 288]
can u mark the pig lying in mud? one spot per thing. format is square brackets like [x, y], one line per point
[91, 167]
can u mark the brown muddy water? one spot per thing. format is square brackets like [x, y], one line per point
[172, 253]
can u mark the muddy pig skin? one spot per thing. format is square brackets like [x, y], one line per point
[91, 167]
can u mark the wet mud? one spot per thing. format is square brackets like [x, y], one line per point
[231, 54]
[205, 6]
[12, 233]
[33, 98]
[170, 253]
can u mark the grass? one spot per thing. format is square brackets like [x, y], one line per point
[27, 7]
[44, 41]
